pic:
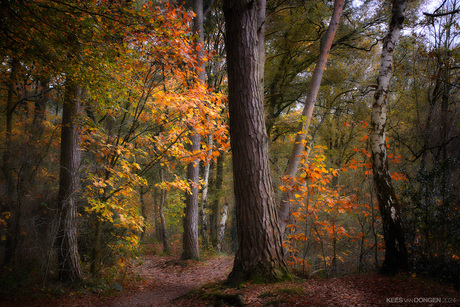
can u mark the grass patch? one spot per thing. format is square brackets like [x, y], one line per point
[275, 303]
[290, 291]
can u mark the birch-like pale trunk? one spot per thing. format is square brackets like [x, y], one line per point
[302, 131]
[395, 248]
[204, 198]
[223, 222]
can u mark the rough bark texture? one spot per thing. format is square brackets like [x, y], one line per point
[190, 238]
[260, 253]
[302, 131]
[69, 263]
[395, 248]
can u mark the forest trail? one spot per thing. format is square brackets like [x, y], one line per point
[167, 278]
[164, 280]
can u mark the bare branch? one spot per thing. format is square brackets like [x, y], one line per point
[441, 14]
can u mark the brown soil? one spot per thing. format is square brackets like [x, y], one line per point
[167, 281]
[161, 280]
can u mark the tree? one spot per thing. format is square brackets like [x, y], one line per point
[190, 238]
[307, 112]
[260, 254]
[69, 263]
[395, 248]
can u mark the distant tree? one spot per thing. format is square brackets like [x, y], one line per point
[307, 112]
[260, 252]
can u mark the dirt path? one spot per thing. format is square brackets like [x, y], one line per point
[167, 279]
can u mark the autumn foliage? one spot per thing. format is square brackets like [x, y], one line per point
[136, 65]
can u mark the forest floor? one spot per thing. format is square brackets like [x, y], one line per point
[168, 281]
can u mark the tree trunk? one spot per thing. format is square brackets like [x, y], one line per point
[223, 222]
[204, 200]
[96, 245]
[163, 234]
[40, 107]
[218, 182]
[156, 194]
[142, 192]
[302, 131]
[12, 205]
[69, 263]
[260, 253]
[395, 248]
[190, 238]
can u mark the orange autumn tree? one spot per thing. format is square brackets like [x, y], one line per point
[141, 119]
[336, 225]
[316, 212]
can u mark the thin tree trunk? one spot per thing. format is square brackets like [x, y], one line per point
[204, 200]
[96, 248]
[215, 204]
[260, 253]
[40, 108]
[163, 234]
[156, 204]
[142, 192]
[222, 224]
[69, 263]
[395, 248]
[302, 131]
[12, 205]
[190, 238]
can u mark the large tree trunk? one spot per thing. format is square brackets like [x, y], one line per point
[190, 238]
[302, 131]
[395, 248]
[69, 263]
[260, 253]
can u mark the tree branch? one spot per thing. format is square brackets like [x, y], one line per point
[441, 14]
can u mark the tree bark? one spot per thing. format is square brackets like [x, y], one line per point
[163, 233]
[260, 254]
[223, 222]
[215, 203]
[395, 248]
[12, 205]
[204, 200]
[302, 131]
[190, 238]
[142, 192]
[69, 263]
